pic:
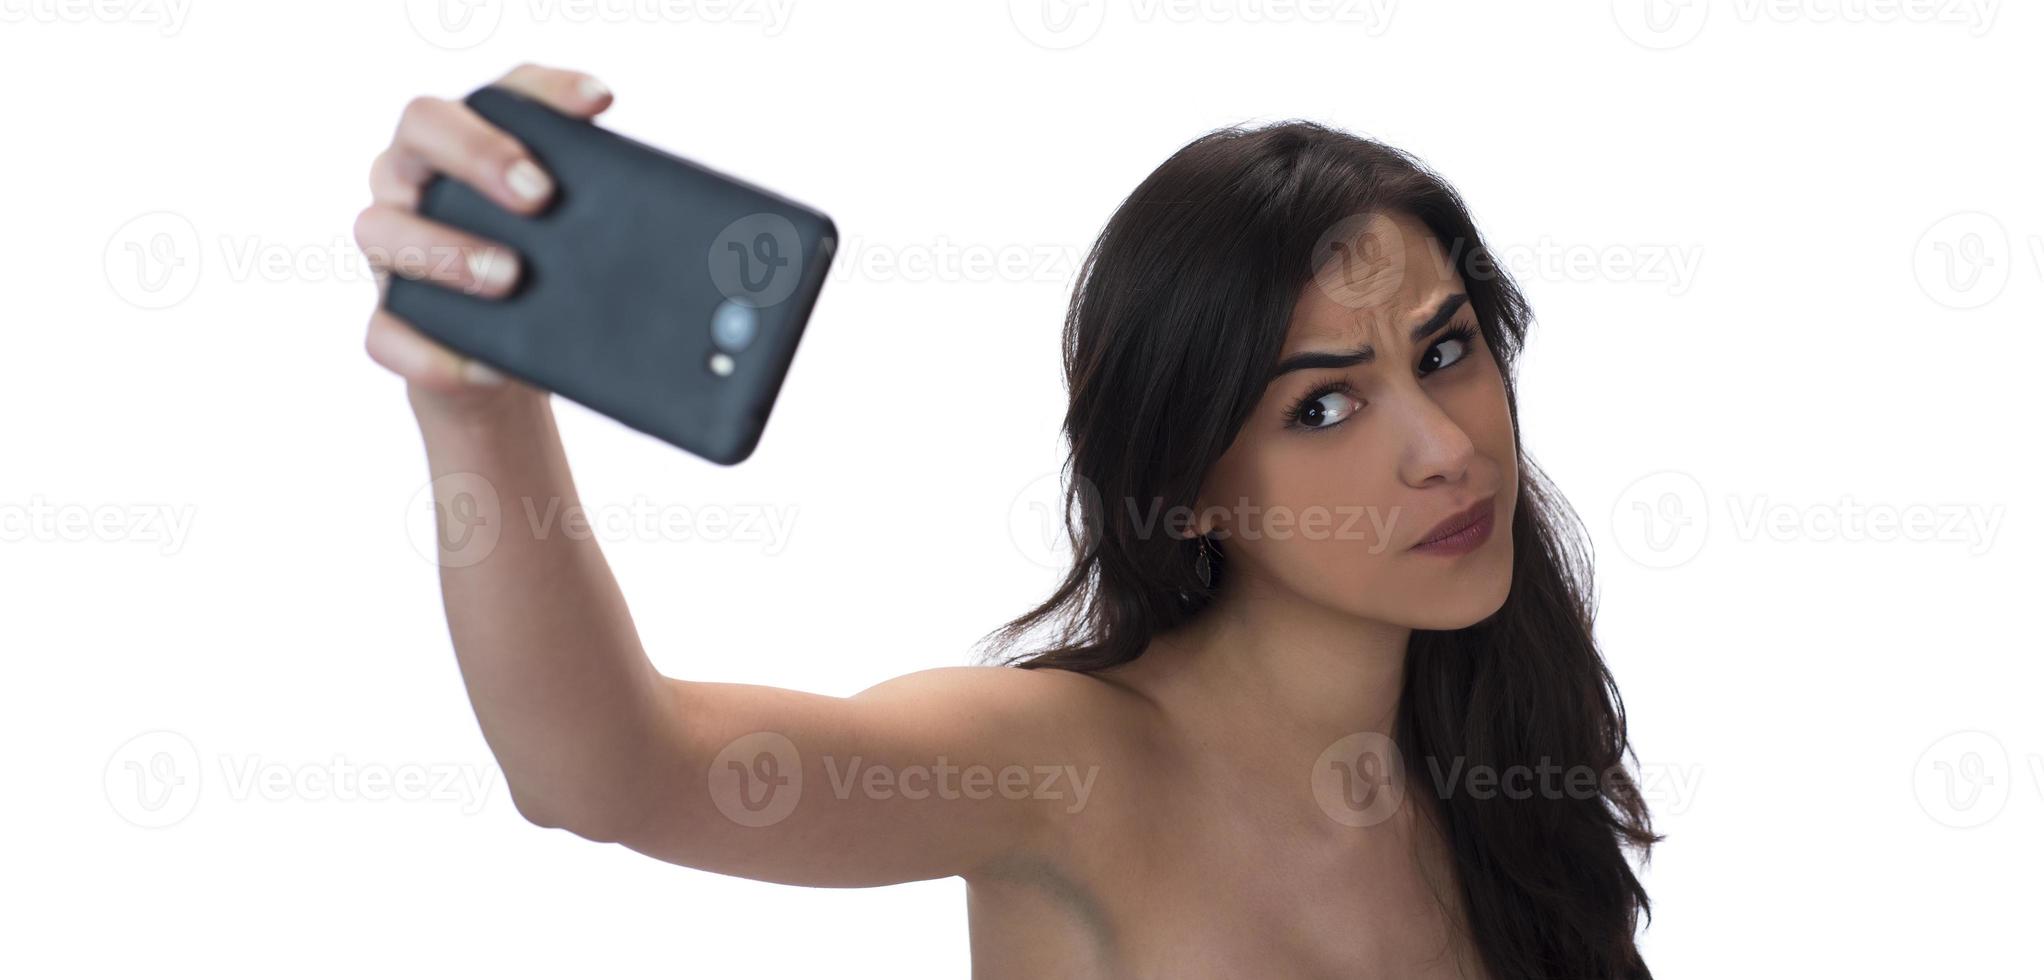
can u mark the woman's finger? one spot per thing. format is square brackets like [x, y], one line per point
[395, 178]
[575, 93]
[419, 359]
[398, 240]
[450, 138]
[436, 135]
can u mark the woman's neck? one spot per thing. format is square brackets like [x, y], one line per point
[1278, 667]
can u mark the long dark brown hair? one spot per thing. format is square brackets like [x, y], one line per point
[1175, 325]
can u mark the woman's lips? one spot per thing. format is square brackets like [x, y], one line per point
[1461, 533]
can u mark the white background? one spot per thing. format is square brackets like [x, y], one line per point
[1737, 233]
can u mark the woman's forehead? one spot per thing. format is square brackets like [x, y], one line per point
[1373, 272]
[1321, 322]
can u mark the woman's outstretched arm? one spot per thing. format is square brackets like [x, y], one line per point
[927, 775]
[936, 773]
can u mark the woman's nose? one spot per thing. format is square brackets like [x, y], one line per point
[1436, 447]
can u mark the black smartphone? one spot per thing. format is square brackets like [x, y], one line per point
[652, 289]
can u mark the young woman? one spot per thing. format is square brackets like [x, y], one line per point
[1321, 697]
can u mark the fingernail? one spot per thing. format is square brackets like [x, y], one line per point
[477, 373]
[528, 181]
[490, 267]
[592, 89]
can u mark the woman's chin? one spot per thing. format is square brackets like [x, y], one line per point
[1461, 604]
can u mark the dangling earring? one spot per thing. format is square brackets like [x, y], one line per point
[1203, 566]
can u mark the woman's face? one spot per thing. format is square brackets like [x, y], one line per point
[1351, 459]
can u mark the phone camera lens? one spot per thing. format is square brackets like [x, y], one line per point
[734, 325]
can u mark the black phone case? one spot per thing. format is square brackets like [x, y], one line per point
[621, 277]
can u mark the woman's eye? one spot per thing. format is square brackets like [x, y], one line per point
[1443, 354]
[1326, 410]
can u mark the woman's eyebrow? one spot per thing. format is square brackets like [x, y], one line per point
[1305, 360]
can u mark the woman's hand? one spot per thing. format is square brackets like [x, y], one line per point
[436, 135]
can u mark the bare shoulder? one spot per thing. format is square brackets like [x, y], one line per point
[1078, 749]
[1053, 712]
